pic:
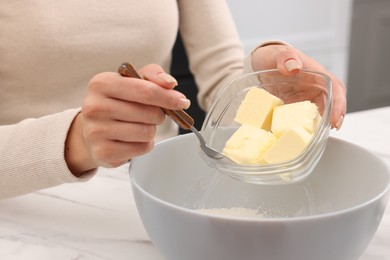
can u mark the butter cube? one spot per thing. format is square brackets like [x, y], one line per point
[248, 145]
[288, 146]
[256, 108]
[304, 114]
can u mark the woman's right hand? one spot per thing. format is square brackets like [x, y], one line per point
[119, 117]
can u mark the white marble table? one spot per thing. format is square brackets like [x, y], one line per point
[98, 219]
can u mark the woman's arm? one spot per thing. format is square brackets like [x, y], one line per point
[116, 123]
[32, 154]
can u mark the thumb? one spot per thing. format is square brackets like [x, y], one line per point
[288, 62]
[156, 74]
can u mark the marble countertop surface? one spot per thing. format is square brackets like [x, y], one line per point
[98, 219]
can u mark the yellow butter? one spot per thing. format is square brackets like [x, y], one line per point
[248, 145]
[304, 114]
[256, 108]
[288, 146]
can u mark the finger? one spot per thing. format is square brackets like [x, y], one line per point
[131, 132]
[114, 153]
[339, 103]
[137, 90]
[155, 73]
[120, 110]
[288, 62]
[138, 113]
[119, 131]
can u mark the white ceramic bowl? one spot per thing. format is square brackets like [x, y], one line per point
[331, 215]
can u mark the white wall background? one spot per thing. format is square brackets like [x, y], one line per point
[320, 28]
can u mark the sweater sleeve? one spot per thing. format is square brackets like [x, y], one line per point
[214, 49]
[32, 154]
[211, 40]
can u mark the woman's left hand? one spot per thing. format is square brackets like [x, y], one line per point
[289, 61]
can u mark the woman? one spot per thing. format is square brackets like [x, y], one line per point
[51, 52]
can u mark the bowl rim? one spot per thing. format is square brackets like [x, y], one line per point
[384, 193]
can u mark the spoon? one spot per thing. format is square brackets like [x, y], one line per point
[180, 117]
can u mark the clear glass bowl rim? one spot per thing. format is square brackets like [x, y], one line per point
[297, 168]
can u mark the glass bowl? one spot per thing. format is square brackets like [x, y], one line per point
[219, 123]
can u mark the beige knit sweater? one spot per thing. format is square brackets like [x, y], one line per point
[50, 49]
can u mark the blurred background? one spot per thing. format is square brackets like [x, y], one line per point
[351, 38]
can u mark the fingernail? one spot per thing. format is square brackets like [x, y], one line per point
[292, 65]
[339, 122]
[184, 103]
[167, 78]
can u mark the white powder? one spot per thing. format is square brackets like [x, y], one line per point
[233, 212]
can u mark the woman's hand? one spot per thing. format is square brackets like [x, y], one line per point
[289, 61]
[119, 117]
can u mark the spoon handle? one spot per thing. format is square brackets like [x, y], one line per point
[180, 117]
